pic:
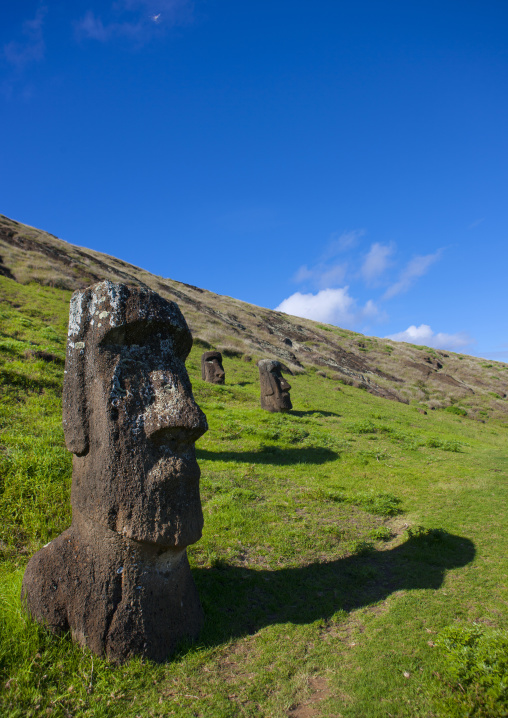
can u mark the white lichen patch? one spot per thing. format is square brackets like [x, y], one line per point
[165, 388]
[114, 292]
[96, 299]
[75, 313]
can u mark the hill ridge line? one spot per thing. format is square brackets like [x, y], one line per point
[429, 378]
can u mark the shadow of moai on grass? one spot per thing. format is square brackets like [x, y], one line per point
[239, 601]
[118, 578]
[273, 455]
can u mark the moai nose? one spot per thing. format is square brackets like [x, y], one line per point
[173, 418]
[284, 385]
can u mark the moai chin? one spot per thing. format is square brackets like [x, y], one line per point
[118, 578]
[274, 388]
[212, 370]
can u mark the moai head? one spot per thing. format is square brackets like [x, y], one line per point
[212, 370]
[274, 388]
[129, 415]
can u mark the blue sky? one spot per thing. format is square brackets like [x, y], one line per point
[345, 161]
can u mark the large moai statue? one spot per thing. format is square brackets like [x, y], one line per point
[212, 370]
[274, 388]
[119, 578]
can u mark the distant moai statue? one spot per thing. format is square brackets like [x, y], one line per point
[118, 578]
[212, 370]
[274, 388]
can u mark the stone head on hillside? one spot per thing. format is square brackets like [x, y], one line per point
[212, 370]
[131, 422]
[129, 415]
[274, 388]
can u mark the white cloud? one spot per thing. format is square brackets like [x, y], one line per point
[333, 306]
[376, 261]
[138, 20]
[328, 272]
[340, 242]
[93, 27]
[321, 275]
[424, 335]
[417, 267]
[32, 47]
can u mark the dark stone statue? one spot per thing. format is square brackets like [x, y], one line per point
[212, 370]
[274, 388]
[118, 578]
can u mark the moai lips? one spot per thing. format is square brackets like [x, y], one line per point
[274, 388]
[119, 578]
[212, 370]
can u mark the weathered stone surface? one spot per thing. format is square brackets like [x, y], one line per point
[274, 388]
[212, 370]
[118, 597]
[118, 578]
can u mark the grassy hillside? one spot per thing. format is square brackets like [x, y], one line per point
[393, 370]
[353, 561]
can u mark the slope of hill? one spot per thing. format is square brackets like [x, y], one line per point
[353, 560]
[392, 370]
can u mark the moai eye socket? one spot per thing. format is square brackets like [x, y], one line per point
[167, 337]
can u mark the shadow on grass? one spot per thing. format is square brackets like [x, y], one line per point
[240, 601]
[272, 455]
[313, 412]
[13, 380]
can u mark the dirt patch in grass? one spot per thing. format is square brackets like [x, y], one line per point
[318, 691]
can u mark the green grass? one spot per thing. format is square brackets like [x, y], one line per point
[476, 661]
[353, 541]
[456, 410]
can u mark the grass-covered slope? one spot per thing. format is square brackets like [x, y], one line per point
[353, 561]
[393, 370]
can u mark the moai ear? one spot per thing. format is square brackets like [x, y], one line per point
[74, 408]
[265, 381]
[275, 382]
